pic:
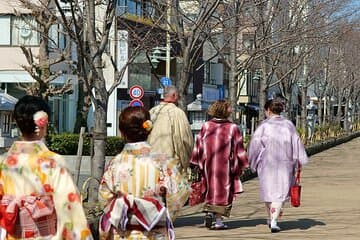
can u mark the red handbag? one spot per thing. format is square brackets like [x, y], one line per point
[295, 190]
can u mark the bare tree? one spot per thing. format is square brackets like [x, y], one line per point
[41, 67]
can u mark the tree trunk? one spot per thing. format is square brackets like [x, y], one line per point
[338, 112]
[320, 111]
[346, 114]
[303, 114]
[183, 82]
[263, 88]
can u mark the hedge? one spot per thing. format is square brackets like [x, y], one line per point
[67, 144]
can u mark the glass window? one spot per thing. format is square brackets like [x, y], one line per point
[5, 30]
[57, 38]
[23, 31]
[6, 123]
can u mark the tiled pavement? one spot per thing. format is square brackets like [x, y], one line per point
[330, 204]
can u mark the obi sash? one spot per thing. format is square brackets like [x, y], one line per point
[28, 216]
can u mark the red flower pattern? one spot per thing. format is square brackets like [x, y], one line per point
[73, 197]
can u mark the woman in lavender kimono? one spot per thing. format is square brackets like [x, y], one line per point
[220, 156]
[275, 152]
[38, 198]
[140, 188]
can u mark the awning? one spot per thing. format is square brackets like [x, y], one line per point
[7, 102]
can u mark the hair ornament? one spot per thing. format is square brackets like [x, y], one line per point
[40, 119]
[147, 125]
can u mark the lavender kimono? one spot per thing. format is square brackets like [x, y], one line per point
[274, 152]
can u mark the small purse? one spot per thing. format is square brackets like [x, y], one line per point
[197, 194]
[295, 190]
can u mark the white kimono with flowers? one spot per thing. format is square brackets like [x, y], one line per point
[132, 183]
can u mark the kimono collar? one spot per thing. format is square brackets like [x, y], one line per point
[28, 147]
[137, 148]
[220, 120]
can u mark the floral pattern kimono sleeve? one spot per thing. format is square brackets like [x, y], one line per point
[72, 223]
[105, 194]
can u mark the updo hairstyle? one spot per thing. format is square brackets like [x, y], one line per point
[131, 122]
[24, 112]
[276, 106]
[219, 109]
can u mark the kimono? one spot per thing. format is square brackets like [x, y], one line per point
[275, 151]
[39, 199]
[171, 133]
[220, 156]
[132, 191]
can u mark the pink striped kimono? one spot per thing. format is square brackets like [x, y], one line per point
[220, 155]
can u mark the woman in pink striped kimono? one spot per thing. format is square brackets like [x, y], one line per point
[275, 152]
[220, 156]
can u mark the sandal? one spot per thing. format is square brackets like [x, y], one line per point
[208, 220]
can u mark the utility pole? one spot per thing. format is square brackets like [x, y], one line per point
[168, 42]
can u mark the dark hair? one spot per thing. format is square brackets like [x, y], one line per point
[276, 106]
[219, 109]
[267, 104]
[24, 112]
[131, 122]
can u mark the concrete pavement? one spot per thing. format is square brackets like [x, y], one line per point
[330, 204]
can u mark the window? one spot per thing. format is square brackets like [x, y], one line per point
[5, 30]
[57, 39]
[6, 123]
[23, 31]
[139, 8]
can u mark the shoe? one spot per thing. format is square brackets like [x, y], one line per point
[219, 226]
[274, 227]
[208, 220]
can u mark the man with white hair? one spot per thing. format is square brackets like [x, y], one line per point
[171, 133]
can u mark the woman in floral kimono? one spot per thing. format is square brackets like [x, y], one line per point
[140, 188]
[220, 156]
[38, 197]
[275, 152]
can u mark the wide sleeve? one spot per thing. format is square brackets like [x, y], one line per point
[299, 152]
[182, 138]
[239, 160]
[106, 188]
[256, 147]
[197, 153]
[71, 219]
[178, 189]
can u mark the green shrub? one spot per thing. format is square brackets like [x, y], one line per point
[67, 144]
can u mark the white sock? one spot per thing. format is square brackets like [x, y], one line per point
[219, 221]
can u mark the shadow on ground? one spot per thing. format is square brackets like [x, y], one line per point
[302, 224]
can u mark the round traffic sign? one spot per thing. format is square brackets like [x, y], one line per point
[136, 92]
[136, 103]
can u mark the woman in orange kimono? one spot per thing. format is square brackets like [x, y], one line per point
[141, 189]
[39, 199]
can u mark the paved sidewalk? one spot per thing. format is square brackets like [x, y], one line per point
[330, 204]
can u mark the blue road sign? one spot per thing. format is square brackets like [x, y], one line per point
[136, 103]
[165, 81]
